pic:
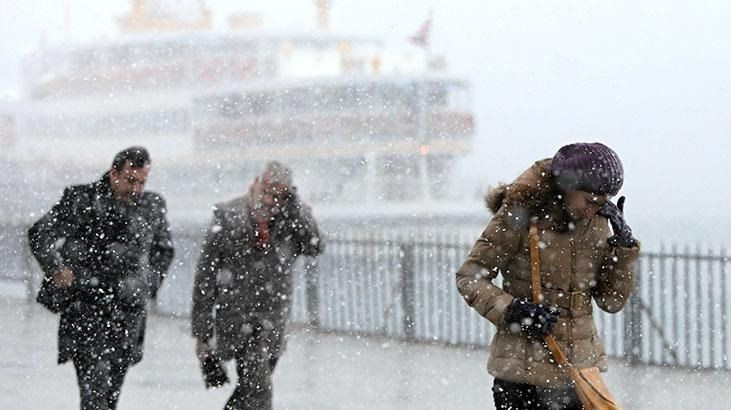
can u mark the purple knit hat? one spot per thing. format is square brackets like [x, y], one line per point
[591, 167]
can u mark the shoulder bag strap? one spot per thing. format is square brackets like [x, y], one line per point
[535, 263]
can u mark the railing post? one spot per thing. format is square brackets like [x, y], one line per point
[633, 321]
[30, 272]
[311, 292]
[408, 284]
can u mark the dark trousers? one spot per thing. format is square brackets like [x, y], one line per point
[100, 380]
[519, 396]
[255, 362]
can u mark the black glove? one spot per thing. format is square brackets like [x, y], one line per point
[532, 319]
[214, 375]
[289, 203]
[55, 298]
[622, 232]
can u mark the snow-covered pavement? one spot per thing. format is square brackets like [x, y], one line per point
[318, 371]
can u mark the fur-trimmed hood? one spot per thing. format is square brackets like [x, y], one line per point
[495, 196]
[533, 194]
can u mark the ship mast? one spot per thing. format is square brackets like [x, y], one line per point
[323, 14]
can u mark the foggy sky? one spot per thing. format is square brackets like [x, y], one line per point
[649, 78]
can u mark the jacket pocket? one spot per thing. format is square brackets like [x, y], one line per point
[536, 352]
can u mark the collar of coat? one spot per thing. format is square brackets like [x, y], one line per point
[104, 186]
[533, 196]
[240, 210]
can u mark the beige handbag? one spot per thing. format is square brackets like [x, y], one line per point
[590, 386]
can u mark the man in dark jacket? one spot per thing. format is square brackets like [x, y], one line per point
[104, 249]
[243, 286]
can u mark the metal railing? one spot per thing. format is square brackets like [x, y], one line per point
[17, 264]
[685, 293]
[393, 287]
[386, 284]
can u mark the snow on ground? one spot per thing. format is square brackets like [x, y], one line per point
[318, 371]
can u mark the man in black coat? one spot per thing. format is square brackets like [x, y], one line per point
[104, 249]
[242, 294]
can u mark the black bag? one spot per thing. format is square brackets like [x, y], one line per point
[214, 375]
[52, 297]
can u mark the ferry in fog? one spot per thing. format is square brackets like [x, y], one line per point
[361, 125]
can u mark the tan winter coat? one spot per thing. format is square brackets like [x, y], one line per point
[577, 265]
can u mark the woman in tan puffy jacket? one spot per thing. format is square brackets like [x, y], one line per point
[568, 198]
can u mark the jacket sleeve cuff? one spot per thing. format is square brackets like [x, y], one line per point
[496, 315]
[623, 253]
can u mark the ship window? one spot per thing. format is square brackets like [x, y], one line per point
[344, 96]
[296, 99]
[120, 55]
[231, 106]
[258, 104]
[87, 58]
[405, 94]
[437, 94]
[400, 178]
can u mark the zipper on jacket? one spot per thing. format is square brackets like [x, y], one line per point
[570, 333]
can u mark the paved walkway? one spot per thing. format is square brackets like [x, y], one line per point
[318, 371]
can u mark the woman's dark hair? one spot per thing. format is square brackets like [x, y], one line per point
[137, 156]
